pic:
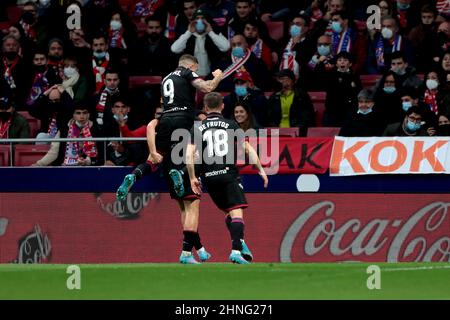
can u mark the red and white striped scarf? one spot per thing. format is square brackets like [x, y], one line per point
[76, 149]
[4, 129]
[257, 48]
[99, 72]
[288, 60]
[116, 39]
[430, 100]
[237, 63]
[443, 7]
[170, 27]
[8, 72]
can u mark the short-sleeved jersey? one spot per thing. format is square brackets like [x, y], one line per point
[216, 141]
[178, 92]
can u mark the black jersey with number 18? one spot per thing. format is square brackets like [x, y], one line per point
[216, 141]
[178, 92]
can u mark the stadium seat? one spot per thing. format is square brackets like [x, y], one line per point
[4, 26]
[323, 132]
[26, 155]
[284, 132]
[5, 155]
[369, 80]
[276, 29]
[35, 124]
[143, 81]
[318, 100]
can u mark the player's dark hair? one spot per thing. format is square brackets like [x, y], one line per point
[213, 100]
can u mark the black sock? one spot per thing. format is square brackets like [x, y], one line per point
[228, 222]
[189, 240]
[142, 170]
[197, 242]
[237, 233]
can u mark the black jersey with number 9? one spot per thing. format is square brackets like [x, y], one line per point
[178, 92]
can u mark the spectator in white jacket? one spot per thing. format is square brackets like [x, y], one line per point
[202, 42]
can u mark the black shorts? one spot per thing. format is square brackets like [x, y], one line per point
[165, 128]
[227, 194]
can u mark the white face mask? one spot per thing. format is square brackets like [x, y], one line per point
[116, 25]
[69, 72]
[432, 84]
[387, 33]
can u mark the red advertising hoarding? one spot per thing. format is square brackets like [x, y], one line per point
[93, 228]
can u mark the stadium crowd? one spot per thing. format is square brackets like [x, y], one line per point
[391, 79]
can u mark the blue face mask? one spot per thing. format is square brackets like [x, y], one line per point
[389, 90]
[99, 55]
[238, 52]
[200, 26]
[323, 50]
[403, 6]
[406, 105]
[295, 30]
[116, 117]
[412, 126]
[336, 26]
[364, 112]
[241, 91]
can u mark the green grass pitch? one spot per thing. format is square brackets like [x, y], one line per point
[227, 281]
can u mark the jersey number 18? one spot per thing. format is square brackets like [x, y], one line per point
[217, 142]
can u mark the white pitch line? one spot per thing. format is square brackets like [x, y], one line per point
[416, 268]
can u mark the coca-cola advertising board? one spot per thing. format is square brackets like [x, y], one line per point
[94, 228]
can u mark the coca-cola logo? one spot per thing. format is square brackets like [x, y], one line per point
[34, 247]
[128, 209]
[367, 239]
[3, 226]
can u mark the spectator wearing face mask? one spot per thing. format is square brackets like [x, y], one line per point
[298, 48]
[124, 153]
[203, 43]
[187, 10]
[73, 153]
[443, 35]
[424, 39]
[12, 124]
[74, 83]
[385, 43]
[365, 121]
[13, 71]
[321, 64]
[121, 35]
[245, 92]
[406, 15]
[54, 109]
[387, 99]
[55, 57]
[220, 13]
[411, 125]
[258, 71]
[43, 77]
[342, 90]
[435, 97]
[443, 128]
[410, 98]
[406, 75]
[149, 50]
[101, 61]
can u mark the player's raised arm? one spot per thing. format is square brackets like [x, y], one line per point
[253, 156]
[190, 158]
[208, 85]
[154, 156]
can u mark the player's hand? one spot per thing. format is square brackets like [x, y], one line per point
[264, 177]
[196, 186]
[217, 73]
[156, 158]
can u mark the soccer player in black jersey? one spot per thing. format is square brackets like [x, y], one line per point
[178, 91]
[215, 139]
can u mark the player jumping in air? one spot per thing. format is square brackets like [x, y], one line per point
[178, 93]
[216, 140]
